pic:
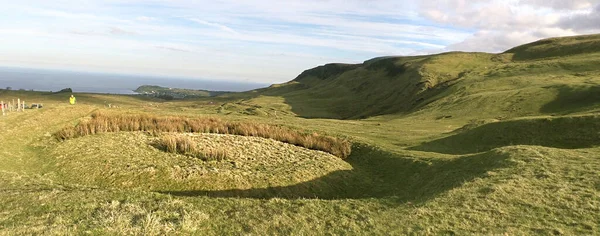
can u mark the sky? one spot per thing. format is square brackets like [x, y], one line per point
[266, 41]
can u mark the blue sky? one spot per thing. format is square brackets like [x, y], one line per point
[268, 41]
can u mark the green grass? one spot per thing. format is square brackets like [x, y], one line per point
[497, 144]
[563, 132]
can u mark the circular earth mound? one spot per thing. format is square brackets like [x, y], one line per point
[129, 159]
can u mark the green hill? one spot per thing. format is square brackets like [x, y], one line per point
[540, 78]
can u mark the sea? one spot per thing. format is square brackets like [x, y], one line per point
[18, 78]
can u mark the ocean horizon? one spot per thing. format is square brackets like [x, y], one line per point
[19, 78]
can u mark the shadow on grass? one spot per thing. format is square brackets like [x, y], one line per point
[572, 99]
[562, 132]
[376, 174]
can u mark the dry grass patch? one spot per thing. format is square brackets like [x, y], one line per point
[102, 123]
[187, 146]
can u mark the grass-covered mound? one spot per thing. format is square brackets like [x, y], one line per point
[102, 123]
[562, 132]
[131, 160]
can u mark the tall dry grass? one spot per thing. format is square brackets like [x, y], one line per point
[187, 146]
[102, 123]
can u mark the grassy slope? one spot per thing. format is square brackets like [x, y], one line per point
[511, 84]
[497, 144]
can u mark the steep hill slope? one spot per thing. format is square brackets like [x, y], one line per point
[552, 76]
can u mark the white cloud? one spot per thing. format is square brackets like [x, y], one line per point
[175, 49]
[145, 18]
[587, 22]
[501, 25]
[120, 31]
[218, 26]
[562, 4]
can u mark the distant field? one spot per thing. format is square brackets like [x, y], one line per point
[456, 143]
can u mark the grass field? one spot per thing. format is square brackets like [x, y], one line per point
[456, 143]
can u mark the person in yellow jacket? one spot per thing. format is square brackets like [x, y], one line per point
[72, 100]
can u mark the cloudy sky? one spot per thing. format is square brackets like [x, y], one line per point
[268, 41]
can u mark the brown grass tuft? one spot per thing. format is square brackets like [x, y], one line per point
[102, 123]
[187, 146]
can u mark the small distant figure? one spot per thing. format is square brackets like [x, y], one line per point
[72, 100]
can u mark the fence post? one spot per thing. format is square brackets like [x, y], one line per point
[18, 104]
[23, 107]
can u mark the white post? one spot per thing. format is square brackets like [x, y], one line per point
[18, 104]
[23, 107]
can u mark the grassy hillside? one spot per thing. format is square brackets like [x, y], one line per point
[533, 79]
[454, 143]
[380, 86]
